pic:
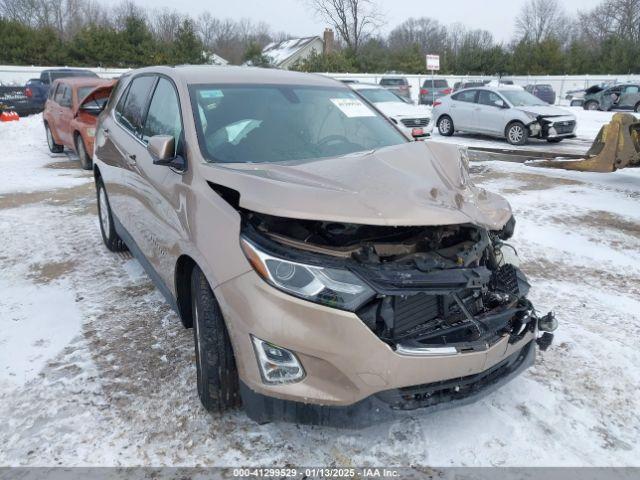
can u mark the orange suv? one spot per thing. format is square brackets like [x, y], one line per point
[70, 114]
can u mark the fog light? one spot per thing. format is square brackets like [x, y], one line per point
[277, 364]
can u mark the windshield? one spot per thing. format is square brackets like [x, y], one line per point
[520, 98]
[378, 95]
[84, 91]
[265, 124]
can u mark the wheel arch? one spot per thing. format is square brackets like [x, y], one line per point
[184, 267]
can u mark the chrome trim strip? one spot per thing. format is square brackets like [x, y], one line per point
[425, 351]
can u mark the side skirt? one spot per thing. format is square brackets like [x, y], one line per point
[153, 274]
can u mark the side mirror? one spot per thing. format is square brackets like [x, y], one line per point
[92, 109]
[499, 103]
[162, 149]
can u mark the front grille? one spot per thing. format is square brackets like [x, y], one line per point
[415, 122]
[564, 127]
[426, 315]
[415, 310]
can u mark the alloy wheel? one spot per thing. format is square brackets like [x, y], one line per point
[516, 133]
[445, 125]
[105, 221]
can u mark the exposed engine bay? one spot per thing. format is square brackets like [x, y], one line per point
[438, 289]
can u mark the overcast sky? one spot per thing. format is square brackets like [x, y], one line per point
[294, 16]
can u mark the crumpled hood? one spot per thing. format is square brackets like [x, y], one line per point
[416, 183]
[546, 111]
[400, 109]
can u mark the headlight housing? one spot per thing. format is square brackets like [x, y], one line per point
[531, 115]
[334, 287]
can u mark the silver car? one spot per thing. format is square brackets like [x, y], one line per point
[507, 112]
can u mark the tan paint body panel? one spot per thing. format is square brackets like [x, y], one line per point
[344, 360]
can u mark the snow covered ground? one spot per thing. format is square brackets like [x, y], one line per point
[95, 369]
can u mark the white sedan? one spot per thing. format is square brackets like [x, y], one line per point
[413, 120]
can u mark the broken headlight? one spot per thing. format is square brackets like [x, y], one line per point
[333, 287]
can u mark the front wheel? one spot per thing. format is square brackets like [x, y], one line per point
[591, 105]
[516, 133]
[218, 385]
[53, 146]
[445, 126]
[85, 159]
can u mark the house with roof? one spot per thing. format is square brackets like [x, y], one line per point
[286, 53]
[212, 58]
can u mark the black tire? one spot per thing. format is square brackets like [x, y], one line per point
[445, 126]
[53, 146]
[81, 150]
[516, 133]
[554, 140]
[637, 108]
[591, 105]
[109, 236]
[218, 387]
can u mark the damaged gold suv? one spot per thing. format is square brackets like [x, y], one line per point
[330, 268]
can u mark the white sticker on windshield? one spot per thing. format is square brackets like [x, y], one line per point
[352, 107]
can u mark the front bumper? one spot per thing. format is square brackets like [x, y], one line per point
[553, 127]
[391, 404]
[344, 360]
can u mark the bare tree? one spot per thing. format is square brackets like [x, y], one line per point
[164, 24]
[353, 20]
[541, 20]
[429, 34]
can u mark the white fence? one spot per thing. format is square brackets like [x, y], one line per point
[15, 75]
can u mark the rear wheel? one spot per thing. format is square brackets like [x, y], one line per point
[215, 363]
[516, 133]
[445, 126]
[53, 146]
[109, 235]
[85, 160]
[591, 105]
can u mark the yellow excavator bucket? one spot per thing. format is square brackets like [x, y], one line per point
[616, 146]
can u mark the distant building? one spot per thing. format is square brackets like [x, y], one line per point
[214, 59]
[286, 53]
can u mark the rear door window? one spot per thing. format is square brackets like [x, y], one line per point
[132, 111]
[164, 116]
[465, 96]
